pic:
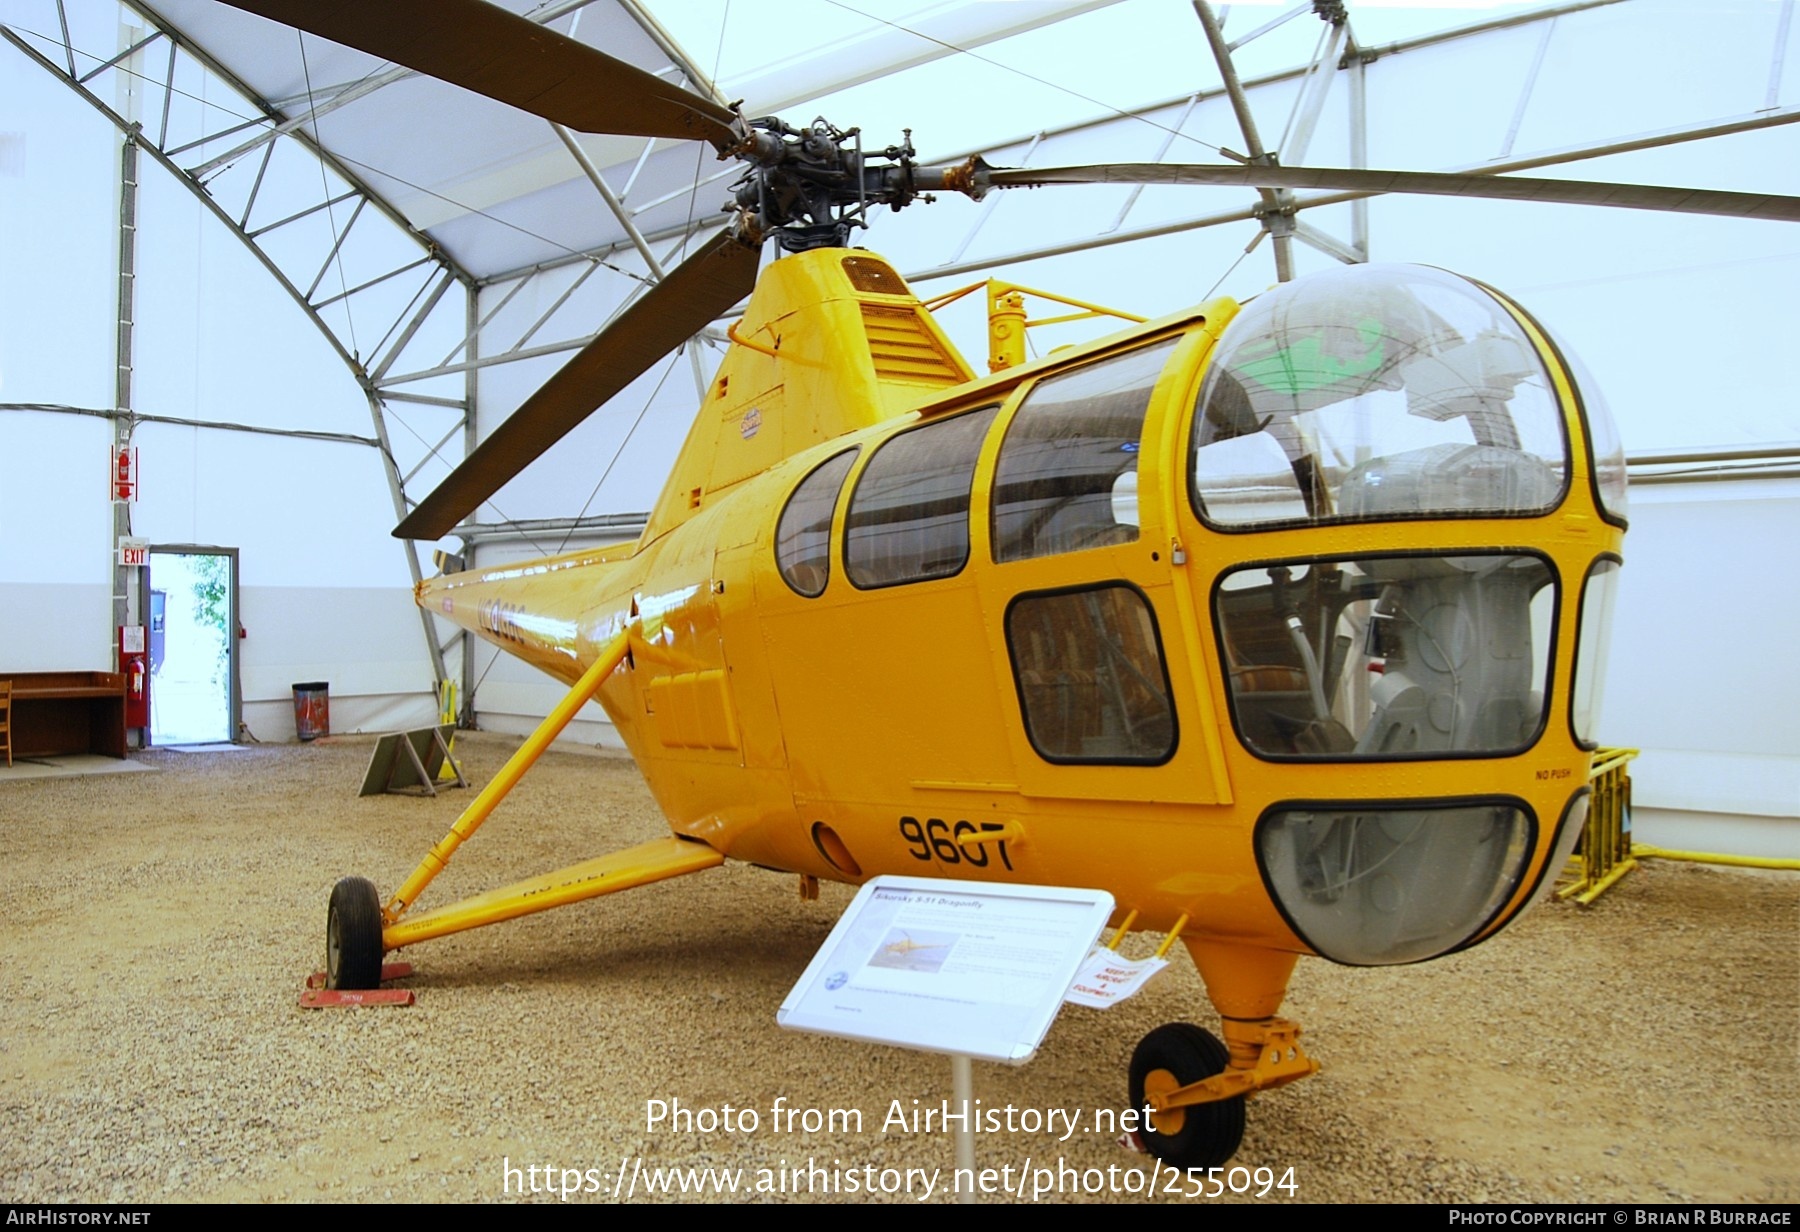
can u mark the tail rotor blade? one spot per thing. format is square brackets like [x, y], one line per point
[674, 310]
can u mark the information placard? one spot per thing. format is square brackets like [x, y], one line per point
[961, 968]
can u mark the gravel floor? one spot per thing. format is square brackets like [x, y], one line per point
[155, 930]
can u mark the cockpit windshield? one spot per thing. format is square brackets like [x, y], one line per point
[1373, 393]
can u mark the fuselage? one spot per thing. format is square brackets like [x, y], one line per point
[1270, 631]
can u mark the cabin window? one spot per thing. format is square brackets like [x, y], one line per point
[803, 535]
[909, 514]
[1089, 668]
[1595, 626]
[1388, 657]
[1375, 393]
[1067, 475]
[1371, 884]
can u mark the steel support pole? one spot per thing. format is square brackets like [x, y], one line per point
[124, 590]
[348, 94]
[962, 1094]
[431, 451]
[1272, 24]
[183, 421]
[1778, 57]
[555, 306]
[396, 489]
[1525, 90]
[606, 194]
[1359, 147]
[1274, 220]
[1327, 243]
[473, 321]
[337, 246]
[395, 395]
[414, 324]
[1311, 103]
[701, 383]
[1162, 152]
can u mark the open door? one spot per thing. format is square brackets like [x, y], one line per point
[191, 594]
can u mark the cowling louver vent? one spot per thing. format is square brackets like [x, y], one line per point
[904, 350]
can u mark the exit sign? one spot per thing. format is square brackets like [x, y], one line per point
[134, 553]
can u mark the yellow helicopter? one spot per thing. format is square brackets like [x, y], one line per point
[1283, 622]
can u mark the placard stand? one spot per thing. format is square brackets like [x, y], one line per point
[962, 1090]
[965, 969]
[408, 763]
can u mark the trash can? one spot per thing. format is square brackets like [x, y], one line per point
[312, 709]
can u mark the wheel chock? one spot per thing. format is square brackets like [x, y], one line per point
[318, 997]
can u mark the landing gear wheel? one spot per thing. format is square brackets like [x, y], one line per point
[1199, 1136]
[353, 935]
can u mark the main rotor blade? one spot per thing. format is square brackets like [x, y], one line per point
[668, 314]
[472, 44]
[1447, 184]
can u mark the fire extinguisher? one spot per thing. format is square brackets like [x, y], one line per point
[134, 664]
[124, 487]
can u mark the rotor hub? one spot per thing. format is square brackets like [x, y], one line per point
[811, 187]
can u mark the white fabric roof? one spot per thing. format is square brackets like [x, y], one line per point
[497, 191]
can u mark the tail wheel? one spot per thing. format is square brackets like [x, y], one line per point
[353, 935]
[1198, 1136]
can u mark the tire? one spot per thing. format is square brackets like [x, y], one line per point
[353, 935]
[1199, 1136]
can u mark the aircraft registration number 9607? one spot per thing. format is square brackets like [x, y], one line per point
[937, 837]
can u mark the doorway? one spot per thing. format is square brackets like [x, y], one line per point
[191, 600]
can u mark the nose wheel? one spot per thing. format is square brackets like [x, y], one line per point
[353, 935]
[1176, 1055]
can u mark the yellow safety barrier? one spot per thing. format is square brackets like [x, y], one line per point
[1605, 853]
[447, 718]
[1713, 857]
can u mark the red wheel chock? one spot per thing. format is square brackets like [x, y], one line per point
[319, 997]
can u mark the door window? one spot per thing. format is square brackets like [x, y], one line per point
[909, 515]
[1067, 475]
[1089, 669]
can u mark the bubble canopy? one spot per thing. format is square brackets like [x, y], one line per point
[1374, 393]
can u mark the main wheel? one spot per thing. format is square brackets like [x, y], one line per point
[353, 935]
[1199, 1136]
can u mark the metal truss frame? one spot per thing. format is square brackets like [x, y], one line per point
[158, 57]
[1342, 54]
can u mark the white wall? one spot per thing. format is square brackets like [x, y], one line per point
[1685, 322]
[1705, 666]
[324, 591]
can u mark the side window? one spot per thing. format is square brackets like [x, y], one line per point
[909, 514]
[1089, 667]
[1385, 657]
[1067, 476]
[803, 535]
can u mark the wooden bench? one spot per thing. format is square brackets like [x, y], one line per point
[67, 712]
